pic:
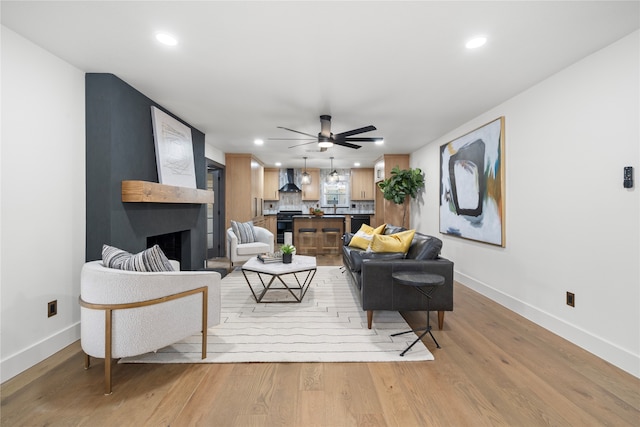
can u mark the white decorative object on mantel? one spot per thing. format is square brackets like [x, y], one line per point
[174, 150]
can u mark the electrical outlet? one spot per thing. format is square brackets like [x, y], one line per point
[571, 299]
[52, 308]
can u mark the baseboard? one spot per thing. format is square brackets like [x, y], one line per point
[598, 346]
[25, 359]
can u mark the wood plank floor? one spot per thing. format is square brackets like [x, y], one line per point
[495, 368]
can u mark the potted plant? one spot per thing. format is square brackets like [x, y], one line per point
[401, 185]
[287, 253]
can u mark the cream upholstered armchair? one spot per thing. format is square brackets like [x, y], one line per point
[127, 313]
[240, 252]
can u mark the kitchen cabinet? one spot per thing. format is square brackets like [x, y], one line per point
[362, 184]
[312, 191]
[271, 184]
[244, 197]
[318, 235]
[271, 224]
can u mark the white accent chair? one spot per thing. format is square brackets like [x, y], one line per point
[240, 252]
[127, 313]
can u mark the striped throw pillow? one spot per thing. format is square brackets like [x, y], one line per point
[243, 231]
[152, 259]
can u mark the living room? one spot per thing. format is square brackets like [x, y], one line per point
[568, 138]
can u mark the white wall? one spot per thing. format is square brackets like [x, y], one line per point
[570, 224]
[42, 229]
[212, 153]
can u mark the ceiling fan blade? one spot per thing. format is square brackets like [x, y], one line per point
[306, 143]
[346, 144]
[296, 131]
[292, 139]
[361, 139]
[355, 131]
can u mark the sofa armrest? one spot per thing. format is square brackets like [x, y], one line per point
[358, 256]
[265, 236]
[379, 292]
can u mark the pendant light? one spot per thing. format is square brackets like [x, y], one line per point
[306, 178]
[333, 176]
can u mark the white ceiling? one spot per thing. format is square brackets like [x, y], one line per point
[243, 68]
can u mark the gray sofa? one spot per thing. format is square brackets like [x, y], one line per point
[371, 274]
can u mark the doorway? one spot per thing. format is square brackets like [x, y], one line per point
[215, 211]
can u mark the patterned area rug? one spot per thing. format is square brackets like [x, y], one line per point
[327, 326]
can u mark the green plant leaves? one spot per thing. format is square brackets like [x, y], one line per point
[402, 183]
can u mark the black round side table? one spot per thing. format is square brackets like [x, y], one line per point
[426, 284]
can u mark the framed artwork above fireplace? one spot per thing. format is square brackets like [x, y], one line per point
[174, 150]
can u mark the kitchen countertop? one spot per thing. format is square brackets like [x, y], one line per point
[318, 216]
[339, 214]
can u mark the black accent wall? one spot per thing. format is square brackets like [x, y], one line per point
[120, 146]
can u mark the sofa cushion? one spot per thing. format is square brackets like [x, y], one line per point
[362, 238]
[252, 248]
[398, 242]
[152, 259]
[243, 231]
[424, 247]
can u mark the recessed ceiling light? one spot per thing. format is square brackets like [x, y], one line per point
[476, 42]
[379, 141]
[356, 164]
[278, 164]
[166, 39]
[258, 142]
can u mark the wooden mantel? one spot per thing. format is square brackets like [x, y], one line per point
[152, 192]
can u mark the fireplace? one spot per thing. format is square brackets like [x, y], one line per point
[120, 148]
[170, 243]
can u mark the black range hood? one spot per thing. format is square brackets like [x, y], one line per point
[290, 186]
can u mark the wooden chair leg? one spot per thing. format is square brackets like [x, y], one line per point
[87, 361]
[440, 319]
[369, 318]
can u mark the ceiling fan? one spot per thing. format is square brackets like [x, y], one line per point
[326, 138]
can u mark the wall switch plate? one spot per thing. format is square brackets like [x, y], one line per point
[628, 177]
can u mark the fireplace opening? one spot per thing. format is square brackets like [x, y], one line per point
[170, 243]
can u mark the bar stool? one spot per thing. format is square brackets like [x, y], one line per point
[330, 240]
[307, 244]
[426, 284]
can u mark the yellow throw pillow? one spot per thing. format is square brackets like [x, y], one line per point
[398, 242]
[362, 238]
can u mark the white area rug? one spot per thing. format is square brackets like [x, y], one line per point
[329, 325]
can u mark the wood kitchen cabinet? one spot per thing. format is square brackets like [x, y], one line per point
[271, 225]
[271, 184]
[244, 197]
[312, 191]
[362, 184]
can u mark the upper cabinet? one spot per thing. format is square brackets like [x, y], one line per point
[271, 184]
[312, 191]
[362, 184]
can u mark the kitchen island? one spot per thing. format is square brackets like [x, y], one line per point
[318, 234]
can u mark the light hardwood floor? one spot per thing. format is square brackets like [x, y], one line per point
[495, 368]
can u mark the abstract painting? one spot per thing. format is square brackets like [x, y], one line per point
[472, 185]
[174, 150]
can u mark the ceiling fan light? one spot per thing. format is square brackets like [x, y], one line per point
[325, 144]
